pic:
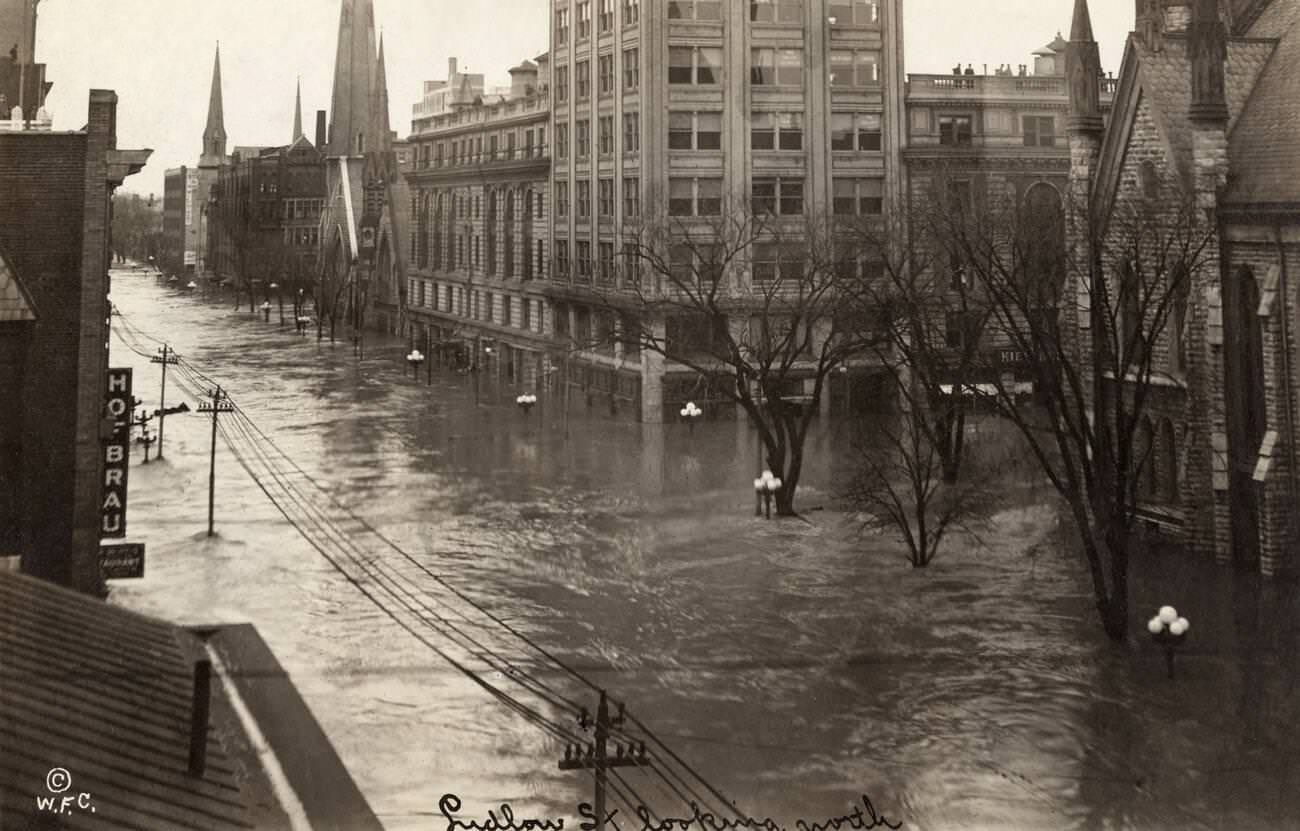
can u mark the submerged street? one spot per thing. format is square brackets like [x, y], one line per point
[794, 665]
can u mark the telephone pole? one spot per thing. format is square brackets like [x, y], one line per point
[220, 404]
[167, 357]
[597, 757]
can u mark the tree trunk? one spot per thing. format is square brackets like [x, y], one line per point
[1115, 612]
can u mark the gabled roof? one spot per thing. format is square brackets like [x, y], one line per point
[15, 304]
[1263, 148]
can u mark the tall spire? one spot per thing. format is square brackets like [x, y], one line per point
[214, 134]
[354, 67]
[380, 128]
[297, 112]
[1083, 73]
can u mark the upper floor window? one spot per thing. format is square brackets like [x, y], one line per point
[606, 74]
[855, 131]
[631, 68]
[776, 11]
[776, 131]
[561, 84]
[631, 132]
[582, 79]
[561, 140]
[695, 65]
[606, 127]
[606, 201]
[694, 9]
[561, 25]
[777, 195]
[1040, 130]
[606, 21]
[955, 130]
[631, 196]
[776, 67]
[694, 131]
[694, 197]
[855, 68]
[854, 12]
[584, 19]
[582, 138]
[631, 12]
[864, 197]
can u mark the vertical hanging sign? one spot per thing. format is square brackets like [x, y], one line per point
[116, 455]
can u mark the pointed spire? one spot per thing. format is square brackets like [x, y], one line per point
[1083, 73]
[381, 130]
[1207, 48]
[214, 134]
[354, 67]
[297, 112]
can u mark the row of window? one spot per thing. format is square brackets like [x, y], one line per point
[604, 18]
[702, 196]
[479, 149]
[1037, 130]
[526, 313]
[301, 208]
[839, 13]
[605, 197]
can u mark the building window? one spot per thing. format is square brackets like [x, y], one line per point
[582, 259]
[694, 197]
[562, 140]
[771, 262]
[584, 19]
[607, 262]
[606, 135]
[962, 329]
[1040, 131]
[584, 198]
[855, 68]
[777, 195]
[776, 131]
[561, 199]
[694, 131]
[631, 68]
[861, 197]
[582, 79]
[631, 132]
[606, 15]
[860, 131]
[631, 12]
[961, 196]
[561, 260]
[561, 25]
[582, 138]
[776, 67]
[607, 197]
[694, 9]
[631, 196]
[776, 11]
[606, 74]
[854, 12]
[700, 65]
[955, 130]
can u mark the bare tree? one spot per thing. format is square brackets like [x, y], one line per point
[753, 304]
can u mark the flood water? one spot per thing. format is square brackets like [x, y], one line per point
[794, 665]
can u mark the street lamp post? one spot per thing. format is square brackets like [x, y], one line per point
[1168, 630]
[266, 310]
[279, 298]
[415, 357]
[691, 413]
[766, 487]
[526, 402]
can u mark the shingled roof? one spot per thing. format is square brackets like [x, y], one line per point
[1263, 150]
[104, 694]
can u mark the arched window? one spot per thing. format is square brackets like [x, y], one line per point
[1169, 471]
[1149, 179]
[1132, 342]
[1144, 461]
[1177, 323]
[1044, 225]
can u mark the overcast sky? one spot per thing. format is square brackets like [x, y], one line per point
[157, 55]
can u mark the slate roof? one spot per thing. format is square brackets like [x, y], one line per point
[105, 694]
[1263, 147]
[15, 305]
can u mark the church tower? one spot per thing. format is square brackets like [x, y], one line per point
[354, 76]
[1084, 127]
[297, 113]
[214, 134]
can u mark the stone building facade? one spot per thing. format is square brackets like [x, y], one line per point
[1205, 113]
[479, 236]
[666, 110]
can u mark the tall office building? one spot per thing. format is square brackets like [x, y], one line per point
[686, 108]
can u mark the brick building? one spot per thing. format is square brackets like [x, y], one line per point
[1206, 111]
[54, 311]
[674, 108]
[478, 243]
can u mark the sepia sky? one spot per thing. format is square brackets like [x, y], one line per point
[157, 55]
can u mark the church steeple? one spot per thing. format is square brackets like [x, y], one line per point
[380, 127]
[297, 112]
[1083, 73]
[214, 134]
[354, 71]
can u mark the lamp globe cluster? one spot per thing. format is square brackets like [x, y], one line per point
[691, 411]
[1167, 620]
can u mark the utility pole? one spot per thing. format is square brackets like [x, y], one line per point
[167, 357]
[220, 404]
[596, 757]
[142, 421]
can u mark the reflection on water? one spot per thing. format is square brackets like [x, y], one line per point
[794, 664]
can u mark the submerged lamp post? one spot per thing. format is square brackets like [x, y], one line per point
[691, 413]
[766, 486]
[266, 310]
[526, 402]
[1169, 631]
[415, 357]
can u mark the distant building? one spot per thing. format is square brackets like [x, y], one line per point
[1206, 112]
[22, 79]
[54, 312]
[180, 220]
[478, 241]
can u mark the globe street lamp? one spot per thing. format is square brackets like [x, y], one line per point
[415, 358]
[1169, 631]
[266, 310]
[191, 285]
[526, 402]
[766, 486]
[691, 413]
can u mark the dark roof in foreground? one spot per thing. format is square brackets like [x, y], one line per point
[1264, 148]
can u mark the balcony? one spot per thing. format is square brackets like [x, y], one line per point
[979, 87]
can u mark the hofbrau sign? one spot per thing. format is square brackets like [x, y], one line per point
[116, 455]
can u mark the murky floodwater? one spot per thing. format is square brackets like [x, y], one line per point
[793, 665]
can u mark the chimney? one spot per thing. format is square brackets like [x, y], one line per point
[451, 69]
[321, 135]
